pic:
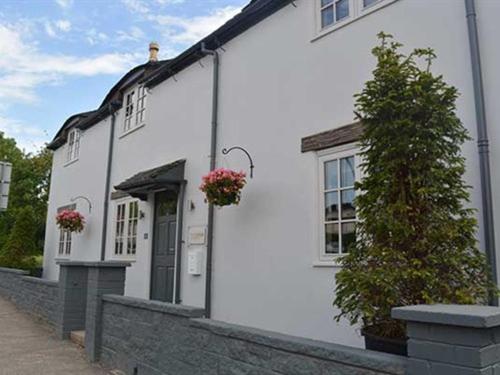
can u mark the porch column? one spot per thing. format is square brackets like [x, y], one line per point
[452, 339]
[103, 278]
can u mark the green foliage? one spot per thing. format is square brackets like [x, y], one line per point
[29, 188]
[20, 249]
[415, 239]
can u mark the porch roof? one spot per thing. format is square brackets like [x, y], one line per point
[155, 179]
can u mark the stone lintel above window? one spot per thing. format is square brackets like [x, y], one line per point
[334, 137]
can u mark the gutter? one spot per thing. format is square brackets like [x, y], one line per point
[112, 110]
[213, 150]
[482, 143]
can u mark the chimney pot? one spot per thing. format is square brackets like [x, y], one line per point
[153, 51]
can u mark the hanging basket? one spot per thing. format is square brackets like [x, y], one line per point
[69, 220]
[222, 187]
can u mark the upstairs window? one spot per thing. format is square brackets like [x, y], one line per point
[73, 145]
[135, 109]
[126, 222]
[129, 111]
[333, 11]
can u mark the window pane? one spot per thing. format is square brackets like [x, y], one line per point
[341, 9]
[348, 210]
[327, 16]
[332, 238]
[348, 236]
[326, 2]
[347, 172]
[367, 3]
[331, 178]
[331, 206]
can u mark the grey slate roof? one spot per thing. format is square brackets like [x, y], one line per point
[155, 73]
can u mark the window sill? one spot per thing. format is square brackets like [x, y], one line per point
[335, 262]
[365, 12]
[132, 130]
[123, 259]
[68, 163]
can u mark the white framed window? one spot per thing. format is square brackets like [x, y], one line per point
[332, 14]
[64, 243]
[135, 109]
[126, 222]
[73, 150]
[141, 106]
[338, 171]
[129, 111]
[334, 11]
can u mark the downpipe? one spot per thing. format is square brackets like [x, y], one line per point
[213, 151]
[482, 143]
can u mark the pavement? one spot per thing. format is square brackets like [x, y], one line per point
[29, 346]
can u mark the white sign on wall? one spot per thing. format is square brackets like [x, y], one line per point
[197, 235]
[5, 175]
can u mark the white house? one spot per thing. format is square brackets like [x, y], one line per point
[284, 74]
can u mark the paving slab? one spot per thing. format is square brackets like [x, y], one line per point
[29, 346]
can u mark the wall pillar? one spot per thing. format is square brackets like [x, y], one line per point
[103, 278]
[452, 339]
[72, 298]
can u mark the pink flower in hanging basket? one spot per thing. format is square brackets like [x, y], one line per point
[70, 220]
[222, 187]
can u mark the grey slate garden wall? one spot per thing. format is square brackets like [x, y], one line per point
[151, 338]
[36, 296]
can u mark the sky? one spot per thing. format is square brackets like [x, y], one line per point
[61, 57]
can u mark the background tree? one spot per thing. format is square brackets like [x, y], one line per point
[29, 188]
[416, 241]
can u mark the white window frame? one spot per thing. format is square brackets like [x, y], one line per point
[127, 237]
[321, 258]
[356, 11]
[134, 109]
[65, 243]
[335, 22]
[73, 147]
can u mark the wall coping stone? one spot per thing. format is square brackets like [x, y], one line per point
[164, 307]
[386, 363]
[37, 280]
[109, 263]
[14, 270]
[455, 315]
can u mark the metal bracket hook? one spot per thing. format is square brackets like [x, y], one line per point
[226, 151]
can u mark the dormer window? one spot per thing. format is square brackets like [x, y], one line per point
[73, 145]
[135, 109]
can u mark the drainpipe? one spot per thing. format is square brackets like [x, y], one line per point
[107, 188]
[213, 150]
[482, 143]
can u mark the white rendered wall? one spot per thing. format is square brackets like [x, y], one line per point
[84, 177]
[277, 86]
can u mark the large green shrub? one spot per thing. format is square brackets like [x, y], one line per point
[416, 240]
[20, 249]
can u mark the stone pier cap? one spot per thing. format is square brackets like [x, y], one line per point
[108, 263]
[472, 316]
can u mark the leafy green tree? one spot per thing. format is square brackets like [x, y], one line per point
[29, 187]
[20, 248]
[416, 239]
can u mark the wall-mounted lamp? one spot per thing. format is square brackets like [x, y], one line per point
[142, 214]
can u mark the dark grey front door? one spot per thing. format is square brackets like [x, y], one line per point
[164, 243]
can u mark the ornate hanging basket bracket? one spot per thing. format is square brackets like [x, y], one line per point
[226, 151]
